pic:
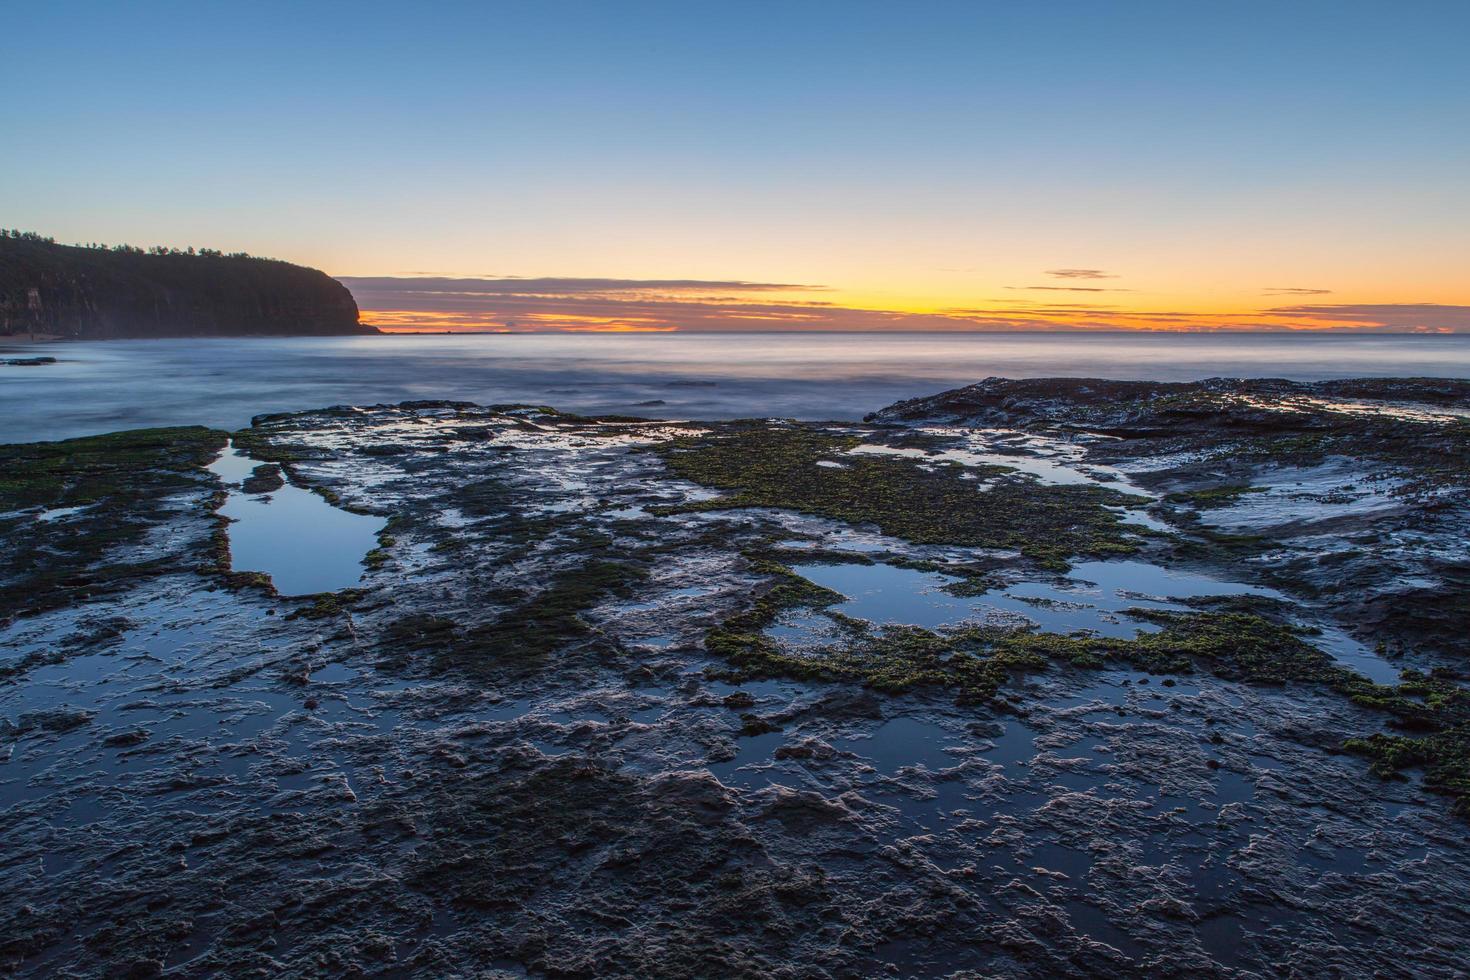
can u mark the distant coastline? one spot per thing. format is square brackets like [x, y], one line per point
[65, 292]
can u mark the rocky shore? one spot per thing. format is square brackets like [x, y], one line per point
[1029, 678]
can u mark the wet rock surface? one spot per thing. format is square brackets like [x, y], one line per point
[1027, 679]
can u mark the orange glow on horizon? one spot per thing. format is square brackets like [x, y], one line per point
[642, 315]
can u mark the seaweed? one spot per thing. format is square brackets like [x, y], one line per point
[328, 604]
[1208, 497]
[124, 482]
[976, 661]
[525, 634]
[768, 465]
[1433, 715]
[1238, 639]
[265, 478]
[129, 467]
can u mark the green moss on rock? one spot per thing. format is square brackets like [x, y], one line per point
[524, 635]
[1210, 497]
[766, 465]
[976, 661]
[124, 481]
[1432, 715]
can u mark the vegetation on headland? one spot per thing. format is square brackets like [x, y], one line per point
[100, 292]
[16, 234]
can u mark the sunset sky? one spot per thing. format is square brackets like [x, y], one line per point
[789, 165]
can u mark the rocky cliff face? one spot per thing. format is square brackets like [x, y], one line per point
[89, 293]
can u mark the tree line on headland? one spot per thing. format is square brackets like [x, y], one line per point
[98, 291]
[208, 253]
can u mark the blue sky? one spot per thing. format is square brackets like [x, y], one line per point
[908, 156]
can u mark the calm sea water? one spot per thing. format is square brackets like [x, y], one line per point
[104, 386]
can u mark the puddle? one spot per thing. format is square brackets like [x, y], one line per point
[334, 674]
[1234, 787]
[1092, 597]
[302, 542]
[753, 766]
[1120, 583]
[1141, 517]
[883, 593]
[1356, 656]
[1015, 745]
[232, 466]
[902, 742]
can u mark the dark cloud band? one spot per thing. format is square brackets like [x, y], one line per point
[552, 304]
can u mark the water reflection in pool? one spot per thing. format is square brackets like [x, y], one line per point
[302, 542]
[1094, 596]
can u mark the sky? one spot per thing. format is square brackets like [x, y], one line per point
[759, 166]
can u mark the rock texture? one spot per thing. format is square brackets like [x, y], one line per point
[598, 706]
[86, 293]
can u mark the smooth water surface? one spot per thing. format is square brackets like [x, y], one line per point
[1093, 597]
[302, 542]
[101, 386]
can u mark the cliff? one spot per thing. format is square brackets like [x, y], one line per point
[94, 293]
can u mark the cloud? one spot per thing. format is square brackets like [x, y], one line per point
[1074, 289]
[1016, 307]
[547, 286]
[708, 306]
[1080, 274]
[1385, 317]
[1293, 291]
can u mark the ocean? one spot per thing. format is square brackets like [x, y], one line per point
[109, 385]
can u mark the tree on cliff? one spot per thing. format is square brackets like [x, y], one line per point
[123, 291]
